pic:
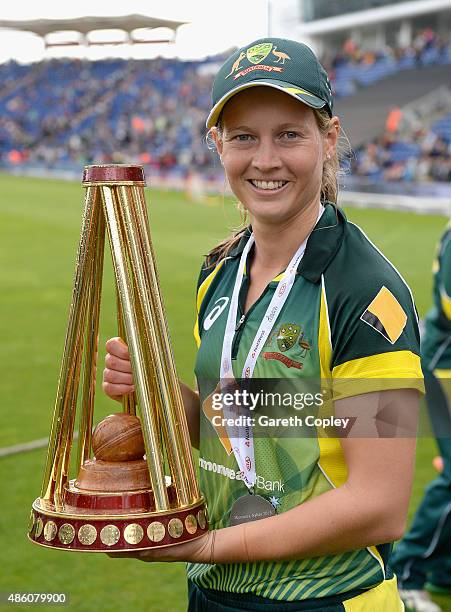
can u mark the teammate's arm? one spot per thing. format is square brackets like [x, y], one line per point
[445, 289]
[118, 381]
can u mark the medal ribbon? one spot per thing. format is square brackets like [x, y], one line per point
[241, 438]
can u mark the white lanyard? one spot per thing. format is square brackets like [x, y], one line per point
[241, 438]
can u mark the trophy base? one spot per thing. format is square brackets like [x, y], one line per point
[79, 500]
[116, 476]
[77, 531]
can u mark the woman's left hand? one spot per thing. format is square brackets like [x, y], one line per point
[195, 551]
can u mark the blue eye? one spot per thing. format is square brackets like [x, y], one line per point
[242, 137]
[290, 135]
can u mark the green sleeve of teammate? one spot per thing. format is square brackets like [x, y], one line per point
[445, 281]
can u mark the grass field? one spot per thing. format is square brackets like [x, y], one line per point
[39, 231]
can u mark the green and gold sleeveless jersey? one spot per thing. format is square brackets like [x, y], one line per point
[349, 316]
[436, 345]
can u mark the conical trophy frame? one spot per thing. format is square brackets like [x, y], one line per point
[126, 499]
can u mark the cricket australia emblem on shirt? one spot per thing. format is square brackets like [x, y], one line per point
[287, 336]
[291, 344]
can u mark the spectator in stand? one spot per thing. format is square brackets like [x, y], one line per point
[393, 122]
[429, 160]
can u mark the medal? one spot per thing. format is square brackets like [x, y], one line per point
[250, 507]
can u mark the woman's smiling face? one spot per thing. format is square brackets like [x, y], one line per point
[273, 153]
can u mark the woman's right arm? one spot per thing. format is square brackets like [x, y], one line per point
[118, 381]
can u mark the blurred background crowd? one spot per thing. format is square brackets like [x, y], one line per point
[64, 113]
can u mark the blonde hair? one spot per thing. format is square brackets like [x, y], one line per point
[329, 186]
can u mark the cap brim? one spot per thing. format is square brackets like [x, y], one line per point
[296, 92]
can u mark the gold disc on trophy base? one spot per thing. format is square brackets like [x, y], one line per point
[133, 534]
[110, 535]
[31, 523]
[201, 519]
[156, 531]
[191, 523]
[39, 526]
[87, 534]
[66, 534]
[175, 528]
[50, 531]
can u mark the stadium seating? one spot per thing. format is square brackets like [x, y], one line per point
[424, 156]
[443, 127]
[61, 114]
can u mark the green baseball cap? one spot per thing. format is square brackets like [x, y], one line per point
[286, 65]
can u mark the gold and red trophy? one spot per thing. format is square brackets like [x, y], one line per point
[136, 486]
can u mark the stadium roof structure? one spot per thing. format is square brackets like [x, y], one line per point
[371, 16]
[86, 25]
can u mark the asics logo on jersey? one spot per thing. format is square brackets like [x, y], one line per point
[220, 304]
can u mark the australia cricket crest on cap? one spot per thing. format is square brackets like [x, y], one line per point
[261, 57]
[258, 53]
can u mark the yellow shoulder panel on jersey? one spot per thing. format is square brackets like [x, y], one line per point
[445, 301]
[442, 373]
[393, 370]
[200, 296]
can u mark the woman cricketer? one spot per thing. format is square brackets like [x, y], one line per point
[298, 293]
